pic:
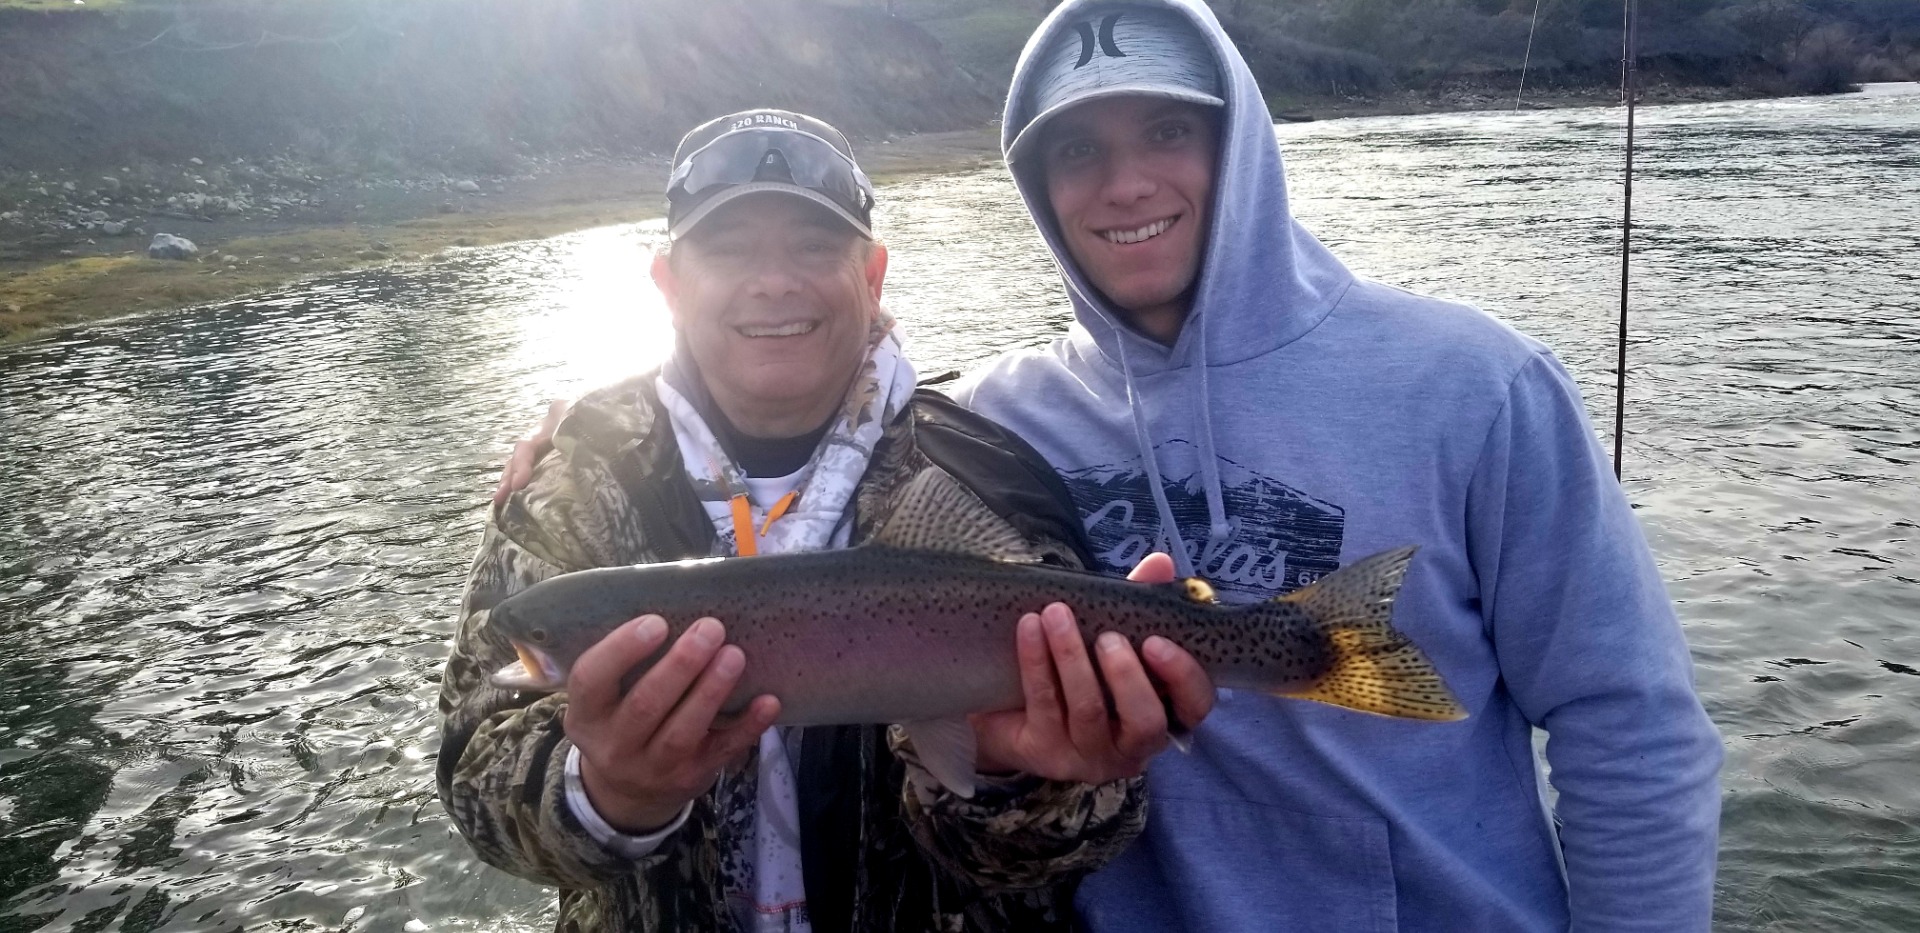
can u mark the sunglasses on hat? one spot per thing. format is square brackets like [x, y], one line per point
[767, 158]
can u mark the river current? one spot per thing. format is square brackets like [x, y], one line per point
[233, 538]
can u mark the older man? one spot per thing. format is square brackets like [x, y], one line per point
[785, 420]
[1232, 392]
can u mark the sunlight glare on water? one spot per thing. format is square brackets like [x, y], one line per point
[600, 312]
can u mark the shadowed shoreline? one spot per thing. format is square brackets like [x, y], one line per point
[90, 279]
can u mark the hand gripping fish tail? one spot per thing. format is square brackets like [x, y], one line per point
[1374, 668]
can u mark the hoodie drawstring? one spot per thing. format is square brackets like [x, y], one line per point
[1169, 529]
[1218, 528]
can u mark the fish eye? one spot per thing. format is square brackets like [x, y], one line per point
[1199, 591]
[539, 635]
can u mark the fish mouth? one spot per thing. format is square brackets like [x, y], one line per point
[534, 672]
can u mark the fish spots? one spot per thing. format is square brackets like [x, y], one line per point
[907, 626]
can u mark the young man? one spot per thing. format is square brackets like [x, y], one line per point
[1232, 392]
[785, 420]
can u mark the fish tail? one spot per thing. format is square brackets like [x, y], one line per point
[1375, 669]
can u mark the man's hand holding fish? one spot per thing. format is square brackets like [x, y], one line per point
[1067, 731]
[646, 752]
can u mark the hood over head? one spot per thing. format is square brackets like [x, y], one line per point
[1263, 281]
[1165, 56]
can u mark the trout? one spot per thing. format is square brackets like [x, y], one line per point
[916, 626]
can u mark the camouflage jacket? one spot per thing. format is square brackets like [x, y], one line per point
[883, 847]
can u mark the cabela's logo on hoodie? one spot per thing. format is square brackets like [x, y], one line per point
[1281, 539]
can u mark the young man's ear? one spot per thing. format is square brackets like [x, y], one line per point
[669, 286]
[876, 271]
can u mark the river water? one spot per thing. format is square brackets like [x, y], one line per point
[232, 538]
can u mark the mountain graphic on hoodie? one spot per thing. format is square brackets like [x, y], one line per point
[1280, 540]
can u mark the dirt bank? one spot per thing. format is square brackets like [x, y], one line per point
[352, 224]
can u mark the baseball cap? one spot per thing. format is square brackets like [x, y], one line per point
[1113, 51]
[766, 150]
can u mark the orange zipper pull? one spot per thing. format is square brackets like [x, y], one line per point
[779, 508]
[744, 542]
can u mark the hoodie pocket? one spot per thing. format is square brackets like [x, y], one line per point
[1239, 865]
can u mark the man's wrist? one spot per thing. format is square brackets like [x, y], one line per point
[635, 846]
[625, 816]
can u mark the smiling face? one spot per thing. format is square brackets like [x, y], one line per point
[774, 296]
[1130, 179]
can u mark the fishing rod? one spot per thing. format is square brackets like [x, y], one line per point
[1629, 75]
[1527, 60]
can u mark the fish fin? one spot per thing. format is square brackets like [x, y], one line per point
[1198, 590]
[935, 513]
[1181, 737]
[1375, 668]
[1177, 731]
[946, 750]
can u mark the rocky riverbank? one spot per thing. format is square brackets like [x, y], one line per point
[47, 215]
[288, 139]
[73, 247]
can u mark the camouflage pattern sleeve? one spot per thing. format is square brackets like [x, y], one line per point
[503, 753]
[1032, 837]
[502, 764]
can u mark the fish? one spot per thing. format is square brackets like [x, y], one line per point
[916, 626]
